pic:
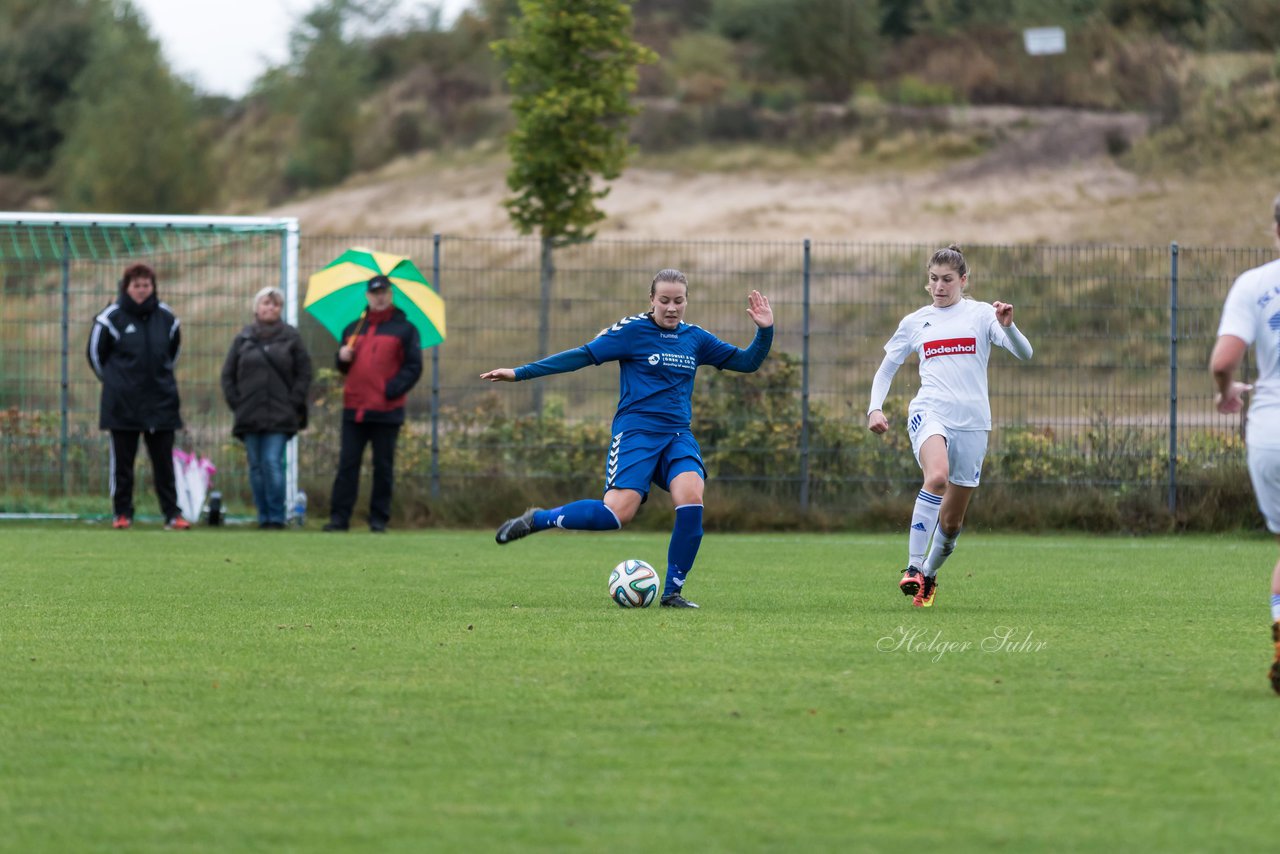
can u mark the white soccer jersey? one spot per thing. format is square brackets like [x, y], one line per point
[1252, 314]
[954, 345]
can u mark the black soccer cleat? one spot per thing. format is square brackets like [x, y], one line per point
[1275, 665]
[675, 600]
[911, 580]
[514, 529]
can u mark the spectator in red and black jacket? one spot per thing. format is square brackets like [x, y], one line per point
[381, 356]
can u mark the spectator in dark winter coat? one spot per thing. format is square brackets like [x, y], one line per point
[381, 355]
[265, 380]
[132, 348]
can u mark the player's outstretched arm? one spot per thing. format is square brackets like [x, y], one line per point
[759, 309]
[560, 363]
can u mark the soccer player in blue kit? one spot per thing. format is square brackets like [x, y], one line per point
[658, 355]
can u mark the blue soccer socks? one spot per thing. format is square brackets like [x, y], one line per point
[923, 520]
[686, 537]
[589, 514]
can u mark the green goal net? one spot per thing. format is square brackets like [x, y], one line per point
[57, 271]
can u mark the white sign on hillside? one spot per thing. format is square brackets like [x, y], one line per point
[1042, 41]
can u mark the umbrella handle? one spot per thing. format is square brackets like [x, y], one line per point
[351, 342]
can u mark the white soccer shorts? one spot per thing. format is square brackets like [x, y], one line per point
[1264, 471]
[966, 449]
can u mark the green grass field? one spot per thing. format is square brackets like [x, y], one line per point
[237, 690]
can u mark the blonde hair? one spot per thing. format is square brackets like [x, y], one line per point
[275, 294]
[950, 257]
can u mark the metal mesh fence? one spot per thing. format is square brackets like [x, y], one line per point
[1117, 394]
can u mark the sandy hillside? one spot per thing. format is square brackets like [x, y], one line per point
[1049, 177]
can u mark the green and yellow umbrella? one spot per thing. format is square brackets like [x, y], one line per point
[336, 294]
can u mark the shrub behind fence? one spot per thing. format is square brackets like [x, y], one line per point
[1111, 425]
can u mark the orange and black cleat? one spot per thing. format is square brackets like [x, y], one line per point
[121, 522]
[910, 583]
[929, 587]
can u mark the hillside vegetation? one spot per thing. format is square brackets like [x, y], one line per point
[894, 120]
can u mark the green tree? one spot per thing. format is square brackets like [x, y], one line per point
[829, 44]
[44, 45]
[329, 78]
[571, 68]
[131, 138]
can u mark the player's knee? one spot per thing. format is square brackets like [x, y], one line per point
[625, 510]
[935, 482]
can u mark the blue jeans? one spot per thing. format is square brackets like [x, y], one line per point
[266, 474]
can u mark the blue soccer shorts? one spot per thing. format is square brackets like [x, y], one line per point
[637, 459]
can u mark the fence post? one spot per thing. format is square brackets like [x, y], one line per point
[66, 324]
[435, 380]
[1173, 378]
[804, 387]
[546, 273]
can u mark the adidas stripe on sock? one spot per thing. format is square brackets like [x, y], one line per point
[923, 520]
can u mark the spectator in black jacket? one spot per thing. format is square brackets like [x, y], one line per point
[132, 348]
[381, 356]
[265, 380]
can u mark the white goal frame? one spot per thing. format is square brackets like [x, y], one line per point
[288, 283]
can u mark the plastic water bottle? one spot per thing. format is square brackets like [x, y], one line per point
[215, 508]
[300, 509]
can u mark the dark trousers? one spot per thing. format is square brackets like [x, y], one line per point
[124, 449]
[347, 482]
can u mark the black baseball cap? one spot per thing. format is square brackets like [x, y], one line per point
[378, 283]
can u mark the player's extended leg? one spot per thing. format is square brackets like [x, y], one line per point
[924, 517]
[617, 509]
[1275, 624]
[686, 536]
[950, 522]
[630, 466]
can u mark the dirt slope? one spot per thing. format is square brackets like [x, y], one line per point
[1049, 177]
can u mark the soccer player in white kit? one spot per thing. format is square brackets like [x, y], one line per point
[1251, 315]
[950, 417]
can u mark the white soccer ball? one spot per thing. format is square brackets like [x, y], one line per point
[633, 584]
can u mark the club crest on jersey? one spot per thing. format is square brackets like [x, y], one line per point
[951, 347]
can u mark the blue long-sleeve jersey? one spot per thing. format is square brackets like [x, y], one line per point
[656, 368]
